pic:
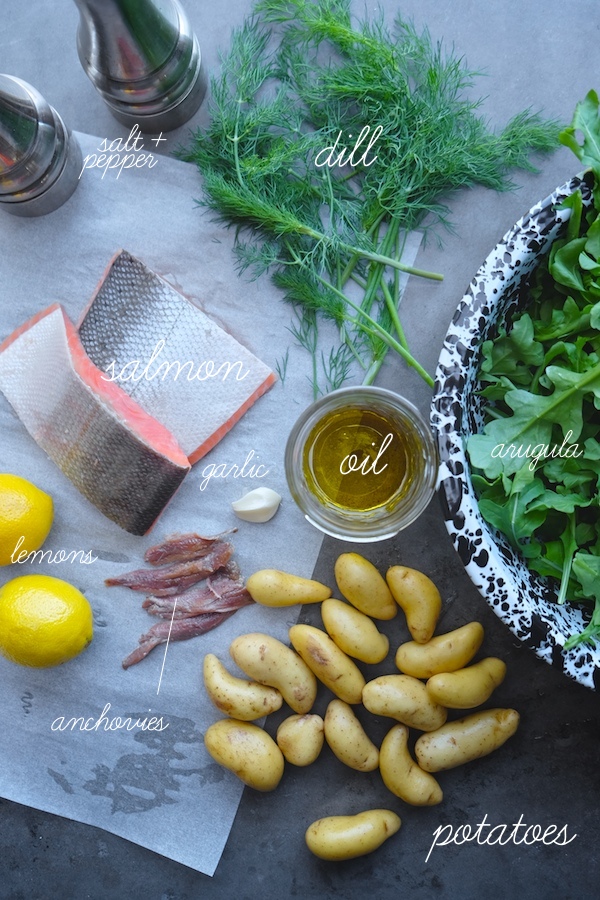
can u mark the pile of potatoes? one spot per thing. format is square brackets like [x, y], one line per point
[434, 677]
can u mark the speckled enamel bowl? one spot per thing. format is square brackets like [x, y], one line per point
[523, 600]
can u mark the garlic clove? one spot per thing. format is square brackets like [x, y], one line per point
[258, 505]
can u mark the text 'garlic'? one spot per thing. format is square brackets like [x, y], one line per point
[258, 505]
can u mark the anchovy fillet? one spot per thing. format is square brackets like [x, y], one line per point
[176, 577]
[182, 547]
[219, 594]
[179, 631]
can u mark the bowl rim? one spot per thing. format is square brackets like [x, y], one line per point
[523, 600]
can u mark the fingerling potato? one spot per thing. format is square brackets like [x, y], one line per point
[361, 584]
[400, 773]
[346, 837]
[300, 738]
[348, 739]
[330, 664]
[469, 687]
[247, 751]
[443, 653]
[419, 599]
[240, 699]
[403, 698]
[466, 739]
[271, 587]
[354, 632]
[268, 661]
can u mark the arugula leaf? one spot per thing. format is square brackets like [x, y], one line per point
[564, 321]
[587, 121]
[587, 570]
[518, 518]
[564, 264]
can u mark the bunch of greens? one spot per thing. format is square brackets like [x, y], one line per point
[539, 455]
[299, 75]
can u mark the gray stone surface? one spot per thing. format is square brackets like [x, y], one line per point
[539, 54]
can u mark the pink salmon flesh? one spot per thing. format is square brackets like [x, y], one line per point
[121, 459]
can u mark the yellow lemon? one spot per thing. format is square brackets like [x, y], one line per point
[44, 621]
[26, 515]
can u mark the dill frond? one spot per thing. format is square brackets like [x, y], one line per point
[300, 74]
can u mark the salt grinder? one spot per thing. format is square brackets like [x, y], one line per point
[40, 160]
[143, 59]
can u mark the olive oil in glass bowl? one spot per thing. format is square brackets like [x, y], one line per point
[361, 464]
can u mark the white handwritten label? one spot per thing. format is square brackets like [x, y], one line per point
[205, 370]
[118, 154]
[350, 462]
[500, 835]
[345, 157]
[103, 723]
[226, 470]
[539, 451]
[48, 556]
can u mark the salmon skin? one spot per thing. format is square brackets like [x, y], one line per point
[175, 361]
[123, 461]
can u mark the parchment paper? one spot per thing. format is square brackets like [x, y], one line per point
[159, 788]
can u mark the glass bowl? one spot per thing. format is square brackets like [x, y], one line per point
[361, 463]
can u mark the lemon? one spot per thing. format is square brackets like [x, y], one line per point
[44, 621]
[26, 515]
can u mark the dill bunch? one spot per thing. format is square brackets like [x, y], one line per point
[300, 74]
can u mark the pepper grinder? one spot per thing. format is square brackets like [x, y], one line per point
[40, 160]
[143, 59]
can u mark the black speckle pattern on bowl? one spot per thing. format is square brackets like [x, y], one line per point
[522, 599]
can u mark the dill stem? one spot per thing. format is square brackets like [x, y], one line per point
[393, 310]
[388, 261]
[353, 261]
[390, 240]
[373, 371]
[358, 280]
[368, 254]
[351, 346]
[380, 331]
[236, 142]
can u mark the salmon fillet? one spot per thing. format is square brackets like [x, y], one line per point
[121, 459]
[176, 362]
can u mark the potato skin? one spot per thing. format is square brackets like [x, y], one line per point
[364, 587]
[400, 773]
[354, 632]
[301, 738]
[469, 687]
[268, 661]
[443, 653]
[237, 698]
[328, 662]
[405, 699]
[419, 599]
[466, 739]
[247, 751]
[272, 587]
[346, 837]
[347, 738]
